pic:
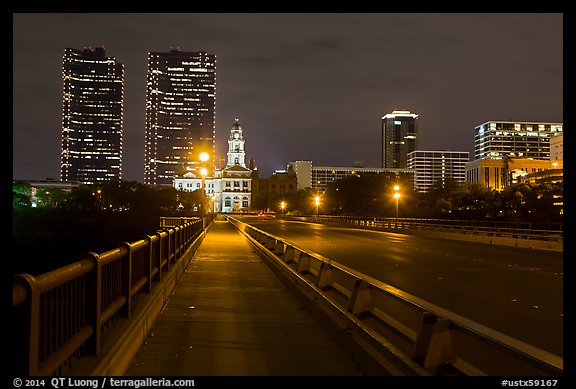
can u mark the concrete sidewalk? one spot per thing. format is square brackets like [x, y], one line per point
[231, 316]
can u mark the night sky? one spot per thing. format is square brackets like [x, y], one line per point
[304, 86]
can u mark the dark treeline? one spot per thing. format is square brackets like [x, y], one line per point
[373, 196]
[65, 225]
[95, 218]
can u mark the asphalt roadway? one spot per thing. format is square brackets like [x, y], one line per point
[516, 291]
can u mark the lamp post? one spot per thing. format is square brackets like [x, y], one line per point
[317, 201]
[283, 206]
[396, 196]
[203, 172]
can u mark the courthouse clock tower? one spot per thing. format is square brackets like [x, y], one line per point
[236, 153]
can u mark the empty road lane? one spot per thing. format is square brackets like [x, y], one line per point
[516, 291]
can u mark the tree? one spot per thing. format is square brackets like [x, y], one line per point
[21, 194]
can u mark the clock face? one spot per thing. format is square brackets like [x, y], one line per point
[236, 135]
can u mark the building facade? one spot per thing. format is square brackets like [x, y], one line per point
[180, 113]
[229, 188]
[557, 147]
[431, 167]
[399, 137]
[280, 183]
[320, 176]
[501, 173]
[496, 139]
[92, 116]
[303, 171]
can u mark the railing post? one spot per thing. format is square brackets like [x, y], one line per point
[166, 248]
[303, 264]
[157, 257]
[289, 254]
[422, 342]
[148, 265]
[279, 248]
[441, 350]
[126, 280]
[93, 307]
[324, 278]
[32, 305]
[171, 245]
[361, 301]
[177, 243]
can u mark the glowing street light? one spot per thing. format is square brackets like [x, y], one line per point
[204, 172]
[397, 197]
[317, 201]
[283, 206]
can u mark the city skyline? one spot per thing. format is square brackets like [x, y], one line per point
[317, 93]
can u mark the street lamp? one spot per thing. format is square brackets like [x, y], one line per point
[203, 172]
[396, 196]
[317, 201]
[282, 206]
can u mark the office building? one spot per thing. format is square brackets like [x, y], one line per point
[280, 183]
[557, 147]
[92, 116]
[180, 113]
[303, 170]
[320, 176]
[399, 137]
[435, 167]
[496, 139]
[501, 173]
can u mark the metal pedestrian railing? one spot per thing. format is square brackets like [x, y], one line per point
[405, 328]
[63, 315]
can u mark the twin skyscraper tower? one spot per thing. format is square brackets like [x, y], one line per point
[180, 114]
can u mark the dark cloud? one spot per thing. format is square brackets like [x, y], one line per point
[304, 86]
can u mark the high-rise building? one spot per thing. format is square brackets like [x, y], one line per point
[399, 137]
[180, 113]
[92, 116]
[432, 167]
[496, 139]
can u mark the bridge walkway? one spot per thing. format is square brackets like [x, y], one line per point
[230, 315]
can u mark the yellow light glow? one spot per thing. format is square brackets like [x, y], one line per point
[204, 157]
[396, 195]
[203, 172]
[396, 187]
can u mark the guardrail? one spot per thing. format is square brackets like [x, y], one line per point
[63, 315]
[520, 230]
[403, 326]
